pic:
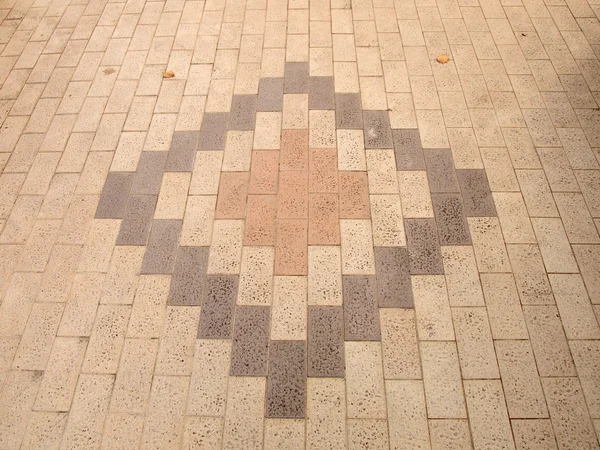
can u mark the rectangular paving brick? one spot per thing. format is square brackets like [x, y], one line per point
[354, 195]
[182, 152]
[293, 195]
[326, 341]
[394, 288]
[323, 170]
[286, 384]
[162, 247]
[452, 224]
[148, 176]
[113, 200]
[377, 129]
[294, 150]
[361, 315]
[213, 133]
[348, 112]
[291, 251]
[270, 95]
[476, 193]
[321, 93]
[408, 149]
[188, 277]
[218, 307]
[323, 219]
[260, 220]
[243, 112]
[424, 254]
[136, 223]
[440, 170]
[233, 190]
[296, 78]
[264, 172]
[250, 350]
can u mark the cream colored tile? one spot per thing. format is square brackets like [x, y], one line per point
[206, 174]
[177, 341]
[121, 279]
[554, 245]
[434, 318]
[351, 150]
[284, 434]
[407, 414]
[290, 308]
[122, 430]
[574, 306]
[462, 279]
[399, 361]
[295, 111]
[99, 246]
[238, 151]
[414, 193]
[357, 247]
[256, 276]
[173, 195]
[226, 249]
[514, 219]
[198, 221]
[388, 225]
[490, 251]
[80, 310]
[365, 432]
[148, 312]
[322, 132]
[326, 413]
[267, 133]
[324, 275]
[450, 434]
[244, 416]
[365, 389]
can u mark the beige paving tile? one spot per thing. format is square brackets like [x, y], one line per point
[381, 169]
[244, 416]
[148, 311]
[290, 308]
[121, 279]
[226, 247]
[407, 414]
[122, 430]
[99, 246]
[488, 244]
[530, 275]
[365, 390]
[388, 226]
[399, 361]
[587, 258]
[534, 434]
[198, 220]
[80, 309]
[450, 434]
[357, 247]
[18, 301]
[206, 174]
[322, 132]
[514, 219]
[414, 193]
[173, 195]
[576, 218]
[285, 434]
[238, 151]
[177, 341]
[202, 433]
[554, 245]
[44, 430]
[36, 251]
[326, 413]
[256, 276]
[434, 318]
[324, 275]
[267, 131]
[351, 150]
[462, 279]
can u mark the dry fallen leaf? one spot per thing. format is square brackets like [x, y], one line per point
[443, 59]
[168, 74]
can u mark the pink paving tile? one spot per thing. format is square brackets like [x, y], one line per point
[291, 251]
[323, 219]
[294, 150]
[293, 195]
[323, 173]
[263, 172]
[260, 220]
[233, 189]
[354, 195]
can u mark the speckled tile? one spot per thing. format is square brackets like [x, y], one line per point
[296, 78]
[440, 170]
[162, 246]
[452, 224]
[354, 195]
[291, 250]
[323, 174]
[136, 223]
[293, 195]
[233, 190]
[357, 247]
[182, 152]
[323, 219]
[365, 389]
[408, 149]
[320, 93]
[476, 193]
[250, 341]
[361, 315]
[423, 247]
[270, 95]
[377, 129]
[263, 172]
[243, 112]
[286, 383]
[187, 282]
[213, 133]
[148, 176]
[348, 111]
[113, 200]
[394, 288]
[260, 220]
[218, 306]
[325, 341]
[294, 150]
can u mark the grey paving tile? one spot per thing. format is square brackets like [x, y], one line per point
[286, 384]
[148, 175]
[250, 351]
[476, 193]
[270, 95]
[440, 170]
[218, 306]
[183, 151]
[136, 223]
[213, 133]
[408, 149]
[424, 254]
[453, 228]
[325, 341]
[361, 315]
[296, 78]
[162, 247]
[348, 112]
[377, 129]
[187, 282]
[243, 112]
[113, 200]
[321, 93]
[394, 289]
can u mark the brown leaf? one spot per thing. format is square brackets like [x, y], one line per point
[443, 59]
[168, 74]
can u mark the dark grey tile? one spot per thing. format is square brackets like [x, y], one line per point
[162, 247]
[135, 226]
[453, 228]
[250, 351]
[183, 151]
[440, 170]
[348, 112]
[394, 289]
[361, 315]
[148, 175]
[296, 78]
[321, 93]
[286, 384]
[326, 341]
[243, 112]
[377, 129]
[213, 132]
[476, 193]
[218, 306]
[270, 95]
[113, 201]
[424, 256]
[408, 149]
[187, 282]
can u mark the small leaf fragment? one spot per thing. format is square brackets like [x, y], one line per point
[168, 74]
[443, 59]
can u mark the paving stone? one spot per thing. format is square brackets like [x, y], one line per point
[270, 95]
[377, 129]
[182, 152]
[408, 149]
[218, 307]
[325, 341]
[286, 383]
[440, 170]
[323, 173]
[148, 176]
[162, 246]
[294, 150]
[243, 112]
[113, 200]
[354, 195]
[323, 219]
[394, 288]
[453, 228]
[291, 250]
[233, 190]
[320, 93]
[260, 220]
[296, 78]
[250, 351]
[136, 223]
[423, 247]
[476, 193]
[348, 112]
[213, 133]
[361, 315]
[187, 282]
